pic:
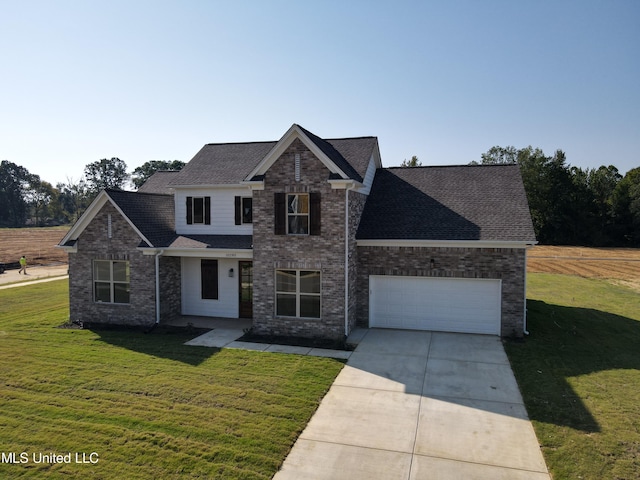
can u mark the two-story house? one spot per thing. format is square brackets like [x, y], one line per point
[308, 237]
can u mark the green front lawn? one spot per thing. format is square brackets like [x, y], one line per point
[579, 373]
[147, 405]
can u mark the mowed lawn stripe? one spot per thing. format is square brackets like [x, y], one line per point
[150, 406]
[579, 373]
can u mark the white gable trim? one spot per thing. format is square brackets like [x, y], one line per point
[91, 212]
[295, 132]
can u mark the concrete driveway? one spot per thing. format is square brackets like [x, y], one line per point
[420, 405]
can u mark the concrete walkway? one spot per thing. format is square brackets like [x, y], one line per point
[226, 332]
[420, 405]
[11, 278]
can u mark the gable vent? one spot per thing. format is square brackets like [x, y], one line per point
[297, 167]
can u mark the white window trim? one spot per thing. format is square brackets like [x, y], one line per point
[111, 282]
[297, 292]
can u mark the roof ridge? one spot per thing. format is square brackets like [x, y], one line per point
[400, 167]
[132, 192]
[361, 137]
[242, 143]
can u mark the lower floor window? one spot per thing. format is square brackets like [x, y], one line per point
[298, 293]
[111, 281]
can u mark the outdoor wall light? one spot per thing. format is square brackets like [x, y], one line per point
[231, 272]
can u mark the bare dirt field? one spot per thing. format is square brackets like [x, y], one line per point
[620, 265]
[38, 244]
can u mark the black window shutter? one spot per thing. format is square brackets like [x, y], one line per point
[314, 213]
[207, 210]
[238, 207]
[189, 210]
[280, 213]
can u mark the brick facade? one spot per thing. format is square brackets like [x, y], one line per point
[95, 244]
[170, 288]
[356, 205]
[324, 252]
[506, 264]
[110, 236]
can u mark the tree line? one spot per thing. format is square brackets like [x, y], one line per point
[574, 206]
[27, 200]
[569, 205]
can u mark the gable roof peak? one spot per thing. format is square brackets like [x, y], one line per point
[343, 157]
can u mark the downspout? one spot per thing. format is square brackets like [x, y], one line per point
[158, 286]
[526, 251]
[346, 260]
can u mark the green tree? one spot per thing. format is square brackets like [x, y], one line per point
[106, 173]
[143, 172]
[74, 198]
[602, 182]
[582, 228]
[549, 188]
[414, 162]
[14, 181]
[39, 196]
[499, 155]
[626, 208]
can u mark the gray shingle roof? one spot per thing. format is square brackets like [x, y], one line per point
[222, 163]
[158, 182]
[484, 202]
[230, 163]
[356, 152]
[351, 155]
[152, 214]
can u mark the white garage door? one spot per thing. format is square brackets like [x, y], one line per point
[442, 304]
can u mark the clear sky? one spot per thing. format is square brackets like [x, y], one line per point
[444, 80]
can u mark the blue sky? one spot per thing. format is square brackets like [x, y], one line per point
[447, 80]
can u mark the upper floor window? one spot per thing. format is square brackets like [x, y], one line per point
[243, 210]
[199, 210]
[111, 281]
[297, 213]
[247, 210]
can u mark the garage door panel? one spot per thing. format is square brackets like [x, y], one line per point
[441, 304]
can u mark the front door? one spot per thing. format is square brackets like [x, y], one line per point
[246, 289]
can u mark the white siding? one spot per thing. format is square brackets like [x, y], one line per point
[222, 211]
[228, 296]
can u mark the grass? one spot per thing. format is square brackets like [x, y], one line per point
[579, 373]
[149, 406]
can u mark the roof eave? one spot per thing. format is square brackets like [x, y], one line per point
[342, 183]
[446, 243]
[240, 184]
[232, 253]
